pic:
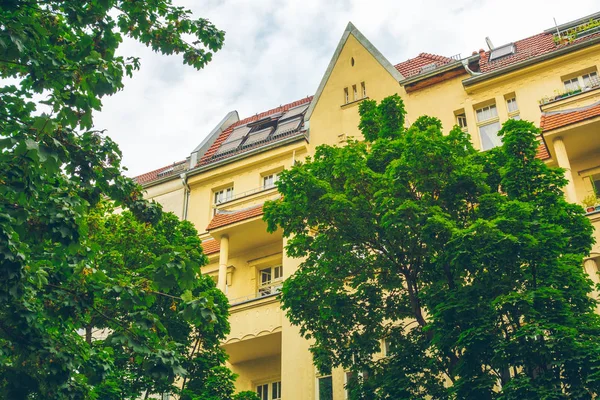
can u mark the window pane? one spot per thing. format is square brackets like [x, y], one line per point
[265, 276]
[485, 113]
[276, 391]
[278, 272]
[572, 84]
[489, 136]
[590, 79]
[263, 392]
[596, 183]
[325, 388]
[512, 105]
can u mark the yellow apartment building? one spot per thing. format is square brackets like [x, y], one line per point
[550, 78]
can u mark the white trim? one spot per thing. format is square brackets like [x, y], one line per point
[351, 30]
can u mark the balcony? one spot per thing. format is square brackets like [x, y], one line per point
[254, 321]
[571, 98]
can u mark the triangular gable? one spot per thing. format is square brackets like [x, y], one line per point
[351, 30]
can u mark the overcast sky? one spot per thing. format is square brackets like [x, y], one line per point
[276, 51]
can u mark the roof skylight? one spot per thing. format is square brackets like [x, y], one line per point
[502, 51]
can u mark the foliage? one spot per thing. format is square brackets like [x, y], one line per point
[163, 320]
[60, 57]
[246, 395]
[469, 264]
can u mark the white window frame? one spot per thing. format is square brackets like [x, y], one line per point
[461, 121]
[355, 92]
[270, 391]
[363, 88]
[223, 195]
[317, 387]
[272, 285]
[572, 84]
[512, 105]
[346, 96]
[485, 120]
[273, 177]
[591, 78]
[581, 82]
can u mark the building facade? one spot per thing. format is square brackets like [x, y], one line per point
[550, 78]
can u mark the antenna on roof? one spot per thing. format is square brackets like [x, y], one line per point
[489, 43]
[556, 25]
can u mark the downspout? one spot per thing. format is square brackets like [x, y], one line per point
[465, 63]
[186, 195]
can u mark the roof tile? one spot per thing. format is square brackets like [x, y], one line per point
[413, 66]
[558, 119]
[224, 219]
[154, 175]
[533, 46]
[211, 246]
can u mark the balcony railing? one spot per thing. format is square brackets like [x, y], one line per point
[560, 95]
[244, 194]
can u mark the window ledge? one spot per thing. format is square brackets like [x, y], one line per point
[353, 103]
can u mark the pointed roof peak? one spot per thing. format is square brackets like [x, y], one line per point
[352, 30]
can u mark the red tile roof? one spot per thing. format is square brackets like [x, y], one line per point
[558, 119]
[525, 49]
[211, 246]
[220, 220]
[542, 151]
[154, 175]
[413, 66]
[225, 134]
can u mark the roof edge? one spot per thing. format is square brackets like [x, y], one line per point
[231, 118]
[525, 63]
[351, 30]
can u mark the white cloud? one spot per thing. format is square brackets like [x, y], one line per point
[277, 51]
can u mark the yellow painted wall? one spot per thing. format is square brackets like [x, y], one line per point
[245, 175]
[331, 116]
[169, 194]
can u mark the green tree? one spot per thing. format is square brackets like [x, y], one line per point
[156, 316]
[58, 59]
[468, 264]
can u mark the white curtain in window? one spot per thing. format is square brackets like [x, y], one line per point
[489, 136]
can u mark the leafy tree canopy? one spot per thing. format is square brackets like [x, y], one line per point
[468, 264]
[60, 267]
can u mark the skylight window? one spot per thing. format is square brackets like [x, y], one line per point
[503, 51]
[428, 67]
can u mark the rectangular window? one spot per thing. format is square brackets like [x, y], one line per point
[269, 180]
[489, 135]
[386, 347]
[461, 121]
[571, 84]
[590, 80]
[487, 113]
[363, 89]
[489, 125]
[270, 280]
[511, 105]
[346, 96]
[355, 92]
[223, 195]
[264, 393]
[325, 388]
[595, 181]
[276, 386]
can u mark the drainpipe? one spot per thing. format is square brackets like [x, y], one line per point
[465, 63]
[186, 195]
